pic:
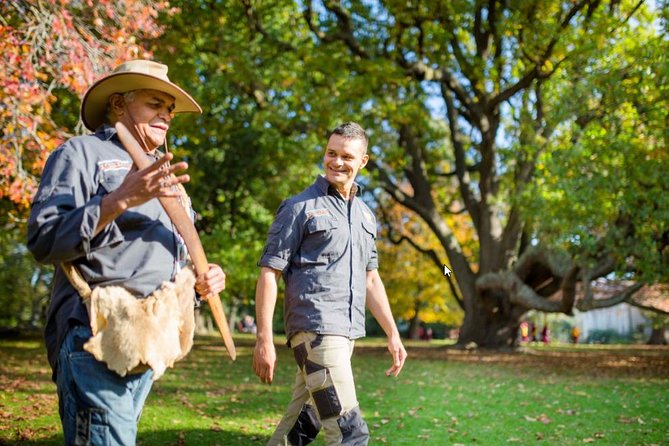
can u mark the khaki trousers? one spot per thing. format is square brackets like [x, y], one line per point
[324, 379]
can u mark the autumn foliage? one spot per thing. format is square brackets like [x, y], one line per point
[56, 46]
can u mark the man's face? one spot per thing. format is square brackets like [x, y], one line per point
[342, 161]
[151, 111]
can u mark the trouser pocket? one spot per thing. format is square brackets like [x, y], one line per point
[92, 427]
[323, 392]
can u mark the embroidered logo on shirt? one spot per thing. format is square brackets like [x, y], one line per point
[318, 213]
[109, 165]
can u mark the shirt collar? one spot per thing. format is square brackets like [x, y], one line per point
[325, 187]
[105, 132]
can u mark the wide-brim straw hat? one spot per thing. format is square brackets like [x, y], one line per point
[129, 76]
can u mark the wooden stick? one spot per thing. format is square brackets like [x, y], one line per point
[185, 227]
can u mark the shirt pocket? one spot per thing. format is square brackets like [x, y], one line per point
[110, 180]
[322, 242]
[320, 224]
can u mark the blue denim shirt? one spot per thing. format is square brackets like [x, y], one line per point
[138, 250]
[324, 246]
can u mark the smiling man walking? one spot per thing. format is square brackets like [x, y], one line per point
[323, 243]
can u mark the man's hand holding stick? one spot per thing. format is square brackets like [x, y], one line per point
[186, 229]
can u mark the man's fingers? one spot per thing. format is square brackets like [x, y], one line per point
[263, 365]
[399, 357]
[160, 163]
[181, 165]
[168, 182]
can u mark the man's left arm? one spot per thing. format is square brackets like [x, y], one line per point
[377, 302]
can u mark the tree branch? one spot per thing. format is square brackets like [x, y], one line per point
[518, 292]
[255, 23]
[535, 72]
[461, 168]
[344, 32]
[623, 296]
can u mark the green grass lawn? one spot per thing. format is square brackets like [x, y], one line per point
[558, 395]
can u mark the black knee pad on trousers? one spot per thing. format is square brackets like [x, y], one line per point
[354, 430]
[306, 427]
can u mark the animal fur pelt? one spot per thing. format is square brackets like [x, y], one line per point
[130, 334]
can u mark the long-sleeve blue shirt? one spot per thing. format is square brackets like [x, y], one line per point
[324, 246]
[138, 250]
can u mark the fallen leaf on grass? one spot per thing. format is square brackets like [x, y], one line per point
[629, 420]
[544, 419]
[414, 411]
[541, 418]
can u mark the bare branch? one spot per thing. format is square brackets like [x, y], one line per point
[592, 304]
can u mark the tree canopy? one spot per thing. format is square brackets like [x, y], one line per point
[527, 140]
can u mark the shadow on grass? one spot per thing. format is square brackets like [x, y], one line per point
[196, 437]
[640, 361]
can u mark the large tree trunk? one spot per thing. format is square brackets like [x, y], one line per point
[414, 326]
[492, 323]
[657, 336]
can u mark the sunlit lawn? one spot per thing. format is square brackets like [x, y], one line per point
[554, 396]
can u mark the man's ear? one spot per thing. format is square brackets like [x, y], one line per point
[117, 104]
[365, 158]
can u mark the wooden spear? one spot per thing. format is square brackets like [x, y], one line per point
[185, 227]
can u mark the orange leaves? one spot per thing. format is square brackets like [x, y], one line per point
[57, 45]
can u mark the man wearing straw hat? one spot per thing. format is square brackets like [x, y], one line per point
[95, 211]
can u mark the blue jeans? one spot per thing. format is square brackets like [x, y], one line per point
[97, 407]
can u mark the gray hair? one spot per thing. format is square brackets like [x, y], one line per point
[128, 97]
[351, 130]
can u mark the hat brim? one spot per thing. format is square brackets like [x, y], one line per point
[94, 102]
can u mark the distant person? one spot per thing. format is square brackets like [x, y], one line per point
[94, 211]
[533, 332]
[546, 335]
[524, 332]
[323, 243]
[248, 324]
[575, 334]
[425, 333]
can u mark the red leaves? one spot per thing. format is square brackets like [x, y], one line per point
[57, 44]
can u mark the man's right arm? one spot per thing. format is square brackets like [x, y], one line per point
[264, 354]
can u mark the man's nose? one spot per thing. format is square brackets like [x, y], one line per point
[166, 115]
